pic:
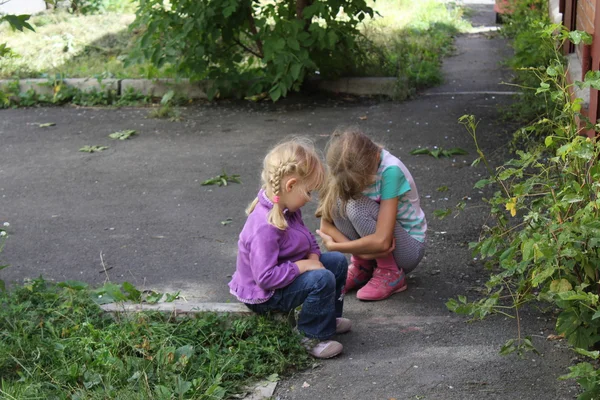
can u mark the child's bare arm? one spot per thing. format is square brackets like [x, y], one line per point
[329, 229]
[378, 242]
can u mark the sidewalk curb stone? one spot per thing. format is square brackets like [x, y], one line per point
[361, 86]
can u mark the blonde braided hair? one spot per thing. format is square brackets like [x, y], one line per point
[296, 157]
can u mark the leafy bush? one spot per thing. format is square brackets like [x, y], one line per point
[545, 240]
[250, 47]
[530, 54]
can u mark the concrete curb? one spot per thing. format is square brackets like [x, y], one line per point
[178, 308]
[45, 86]
[367, 86]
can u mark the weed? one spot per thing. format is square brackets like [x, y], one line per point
[222, 180]
[122, 135]
[166, 111]
[442, 213]
[11, 95]
[438, 152]
[93, 149]
[55, 342]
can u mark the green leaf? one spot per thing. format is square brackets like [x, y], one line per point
[295, 70]
[567, 322]
[275, 93]
[420, 151]
[579, 36]
[93, 149]
[293, 43]
[482, 183]
[548, 141]
[441, 214]
[560, 286]
[171, 297]
[122, 135]
[18, 22]
[527, 249]
[132, 293]
[182, 387]
[508, 347]
[541, 275]
[75, 285]
[167, 97]
[184, 351]
[152, 297]
[592, 354]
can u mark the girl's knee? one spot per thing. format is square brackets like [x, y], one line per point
[335, 262]
[322, 279]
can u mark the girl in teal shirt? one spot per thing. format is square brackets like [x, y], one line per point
[370, 208]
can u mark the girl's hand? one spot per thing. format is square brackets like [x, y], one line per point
[373, 256]
[328, 241]
[308, 265]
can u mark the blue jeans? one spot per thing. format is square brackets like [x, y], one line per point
[320, 294]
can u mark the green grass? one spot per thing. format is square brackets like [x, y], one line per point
[56, 343]
[75, 46]
[413, 37]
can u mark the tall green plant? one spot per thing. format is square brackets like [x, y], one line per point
[544, 245]
[251, 46]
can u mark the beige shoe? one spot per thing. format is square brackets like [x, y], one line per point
[342, 325]
[325, 349]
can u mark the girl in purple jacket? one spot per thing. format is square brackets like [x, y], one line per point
[279, 264]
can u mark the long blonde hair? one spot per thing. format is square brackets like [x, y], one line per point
[352, 160]
[296, 157]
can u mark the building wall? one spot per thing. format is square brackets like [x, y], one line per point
[585, 15]
[586, 10]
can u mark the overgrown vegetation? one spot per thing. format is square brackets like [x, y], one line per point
[59, 93]
[404, 39]
[55, 342]
[543, 242]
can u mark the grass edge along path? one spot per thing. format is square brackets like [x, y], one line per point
[56, 342]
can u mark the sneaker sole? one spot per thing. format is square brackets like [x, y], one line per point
[401, 289]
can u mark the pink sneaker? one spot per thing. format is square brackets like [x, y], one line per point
[358, 275]
[325, 349]
[383, 284]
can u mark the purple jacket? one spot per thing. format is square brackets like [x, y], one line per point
[267, 255]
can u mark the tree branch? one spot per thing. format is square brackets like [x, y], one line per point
[249, 50]
[255, 33]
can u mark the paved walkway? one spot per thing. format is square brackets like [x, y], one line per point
[140, 204]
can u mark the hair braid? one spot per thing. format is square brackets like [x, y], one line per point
[295, 156]
[284, 168]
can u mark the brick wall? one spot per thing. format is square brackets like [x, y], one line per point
[585, 19]
[585, 15]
